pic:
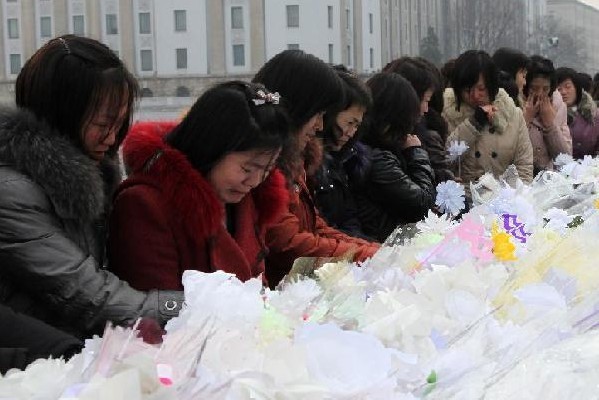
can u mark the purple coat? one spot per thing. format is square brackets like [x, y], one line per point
[584, 128]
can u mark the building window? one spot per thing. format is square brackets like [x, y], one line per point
[238, 55]
[180, 21]
[236, 17]
[331, 54]
[78, 25]
[348, 54]
[181, 58]
[45, 27]
[15, 63]
[293, 16]
[112, 26]
[348, 19]
[293, 46]
[371, 57]
[370, 23]
[330, 15]
[13, 28]
[146, 60]
[145, 26]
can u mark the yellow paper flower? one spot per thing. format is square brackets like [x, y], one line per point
[503, 248]
[596, 203]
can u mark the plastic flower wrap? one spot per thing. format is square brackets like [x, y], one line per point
[450, 197]
[435, 314]
[563, 159]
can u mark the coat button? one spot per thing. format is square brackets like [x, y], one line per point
[477, 154]
[494, 155]
[170, 305]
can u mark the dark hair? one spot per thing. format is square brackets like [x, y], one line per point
[447, 71]
[416, 72]
[595, 88]
[308, 85]
[586, 81]
[355, 93]
[511, 61]
[468, 67]
[507, 83]
[540, 67]
[226, 119]
[69, 79]
[436, 100]
[564, 73]
[395, 110]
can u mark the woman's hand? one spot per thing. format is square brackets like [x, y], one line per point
[411, 141]
[546, 112]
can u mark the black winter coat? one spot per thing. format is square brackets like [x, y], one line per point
[52, 232]
[332, 194]
[397, 188]
[434, 145]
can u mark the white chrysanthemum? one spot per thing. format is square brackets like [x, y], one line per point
[434, 223]
[451, 197]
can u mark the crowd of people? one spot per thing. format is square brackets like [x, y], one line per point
[306, 160]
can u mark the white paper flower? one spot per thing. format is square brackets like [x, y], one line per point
[434, 223]
[456, 148]
[450, 197]
[558, 219]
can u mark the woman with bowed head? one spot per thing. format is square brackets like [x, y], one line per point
[310, 88]
[545, 115]
[425, 79]
[201, 194]
[330, 183]
[583, 117]
[398, 187]
[58, 170]
[485, 117]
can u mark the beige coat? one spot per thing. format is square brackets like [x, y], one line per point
[490, 152]
[548, 143]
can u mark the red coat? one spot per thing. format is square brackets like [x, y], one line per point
[167, 218]
[301, 232]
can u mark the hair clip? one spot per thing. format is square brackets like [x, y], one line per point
[273, 98]
[65, 44]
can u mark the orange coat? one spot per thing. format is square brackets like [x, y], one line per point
[301, 232]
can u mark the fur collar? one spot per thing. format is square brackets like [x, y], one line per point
[73, 182]
[185, 188]
[504, 103]
[587, 108]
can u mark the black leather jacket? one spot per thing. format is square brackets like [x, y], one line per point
[398, 188]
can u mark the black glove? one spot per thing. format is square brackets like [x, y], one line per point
[481, 119]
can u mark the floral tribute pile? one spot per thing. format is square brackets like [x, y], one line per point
[498, 302]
